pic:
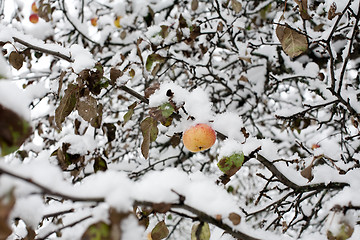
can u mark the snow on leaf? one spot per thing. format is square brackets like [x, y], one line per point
[292, 42]
[67, 104]
[160, 231]
[14, 130]
[88, 109]
[16, 60]
[230, 165]
[166, 109]
[149, 131]
[200, 231]
[97, 231]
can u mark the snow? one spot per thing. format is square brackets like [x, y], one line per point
[13, 98]
[82, 58]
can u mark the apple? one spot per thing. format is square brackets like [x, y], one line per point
[34, 8]
[199, 137]
[117, 22]
[94, 21]
[34, 18]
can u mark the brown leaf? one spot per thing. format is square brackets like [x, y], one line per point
[161, 207]
[151, 89]
[7, 202]
[292, 42]
[235, 218]
[194, 5]
[14, 130]
[307, 173]
[303, 9]
[67, 104]
[160, 231]
[149, 131]
[16, 60]
[236, 6]
[332, 11]
[88, 109]
[115, 74]
[110, 131]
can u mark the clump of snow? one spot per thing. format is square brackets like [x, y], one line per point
[230, 125]
[29, 209]
[131, 229]
[5, 70]
[82, 58]
[13, 98]
[79, 144]
[229, 147]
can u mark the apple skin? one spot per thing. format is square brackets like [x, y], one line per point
[117, 22]
[34, 18]
[94, 21]
[199, 137]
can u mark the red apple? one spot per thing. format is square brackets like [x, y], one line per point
[34, 18]
[199, 137]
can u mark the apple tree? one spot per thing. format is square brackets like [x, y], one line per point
[95, 97]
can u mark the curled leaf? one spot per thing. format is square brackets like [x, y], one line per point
[149, 131]
[200, 231]
[67, 104]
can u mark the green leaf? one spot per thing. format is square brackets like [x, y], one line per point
[167, 109]
[200, 231]
[67, 104]
[292, 42]
[97, 231]
[153, 58]
[149, 131]
[14, 130]
[160, 231]
[100, 164]
[230, 165]
[129, 113]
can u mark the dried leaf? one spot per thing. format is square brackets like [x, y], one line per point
[115, 74]
[16, 60]
[235, 218]
[307, 173]
[194, 5]
[7, 203]
[332, 11]
[149, 131]
[200, 231]
[161, 207]
[236, 6]
[87, 108]
[303, 9]
[110, 130]
[150, 90]
[160, 231]
[230, 165]
[67, 104]
[292, 42]
[14, 130]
